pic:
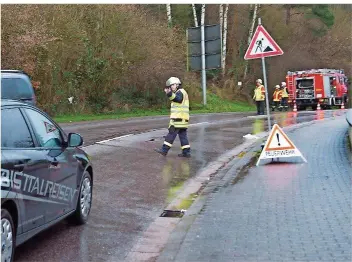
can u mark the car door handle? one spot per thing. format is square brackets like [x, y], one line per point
[19, 166]
[54, 163]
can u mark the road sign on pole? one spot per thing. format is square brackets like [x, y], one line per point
[204, 50]
[263, 45]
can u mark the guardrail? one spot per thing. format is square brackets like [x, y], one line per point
[349, 121]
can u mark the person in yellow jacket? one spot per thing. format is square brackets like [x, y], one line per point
[284, 97]
[259, 96]
[179, 117]
[277, 98]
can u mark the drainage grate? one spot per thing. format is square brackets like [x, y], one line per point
[172, 213]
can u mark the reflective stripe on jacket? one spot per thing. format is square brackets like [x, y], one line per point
[277, 95]
[259, 93]
[284, 92]
[179, 116]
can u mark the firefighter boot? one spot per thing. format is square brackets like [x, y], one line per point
[163, 151]
[185, 153]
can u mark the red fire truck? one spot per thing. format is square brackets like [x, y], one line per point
[328, 87]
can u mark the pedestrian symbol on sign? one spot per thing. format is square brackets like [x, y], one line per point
[259, 45]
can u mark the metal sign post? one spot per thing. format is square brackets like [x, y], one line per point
[263, 45]
[265, 86]
[204, 82]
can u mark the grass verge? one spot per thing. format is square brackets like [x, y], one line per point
[214, 105]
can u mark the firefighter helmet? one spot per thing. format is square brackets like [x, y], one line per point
[283, 84]
[259, 81]
[277, 86]
[173, 80]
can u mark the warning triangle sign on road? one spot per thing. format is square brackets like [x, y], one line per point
[279, 145]
[49, 127]
[262, 45]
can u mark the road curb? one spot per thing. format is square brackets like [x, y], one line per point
[349, 121]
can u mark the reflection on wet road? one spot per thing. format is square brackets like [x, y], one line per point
[132, 184]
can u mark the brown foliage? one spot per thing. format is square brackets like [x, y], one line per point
[112, 57]
[106, 56]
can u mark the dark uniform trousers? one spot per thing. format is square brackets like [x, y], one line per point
[260, 107]
[171, 136]
[284, 103]
[276, 105]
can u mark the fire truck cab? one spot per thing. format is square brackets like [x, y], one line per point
[328, 87]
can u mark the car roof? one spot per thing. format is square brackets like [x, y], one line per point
[14, 74]
[11, 102]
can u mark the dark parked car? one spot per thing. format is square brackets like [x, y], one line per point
[45, 176]
[16, 85]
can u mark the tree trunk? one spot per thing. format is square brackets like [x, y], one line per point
[250, 34]
[168, 11]
[195, 15]
[225, 38]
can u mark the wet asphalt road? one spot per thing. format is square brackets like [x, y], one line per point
[133, 184]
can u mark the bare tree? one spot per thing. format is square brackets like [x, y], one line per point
[223, 62]
[195, 15]
[168, 11]
[250, 34]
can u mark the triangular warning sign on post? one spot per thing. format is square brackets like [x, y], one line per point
[262, 45]
[279, 145]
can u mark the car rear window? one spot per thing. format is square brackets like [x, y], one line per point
[14, 130]
[15, 88]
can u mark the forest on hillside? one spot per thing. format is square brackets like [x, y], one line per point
[111, 57]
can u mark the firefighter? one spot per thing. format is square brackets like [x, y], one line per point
[179, 117]
[284, 96]
[277, 98]
[259, 96]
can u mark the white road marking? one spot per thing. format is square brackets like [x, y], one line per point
[119, 137]
[201, 123]
[101, 142]
[257, 116]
